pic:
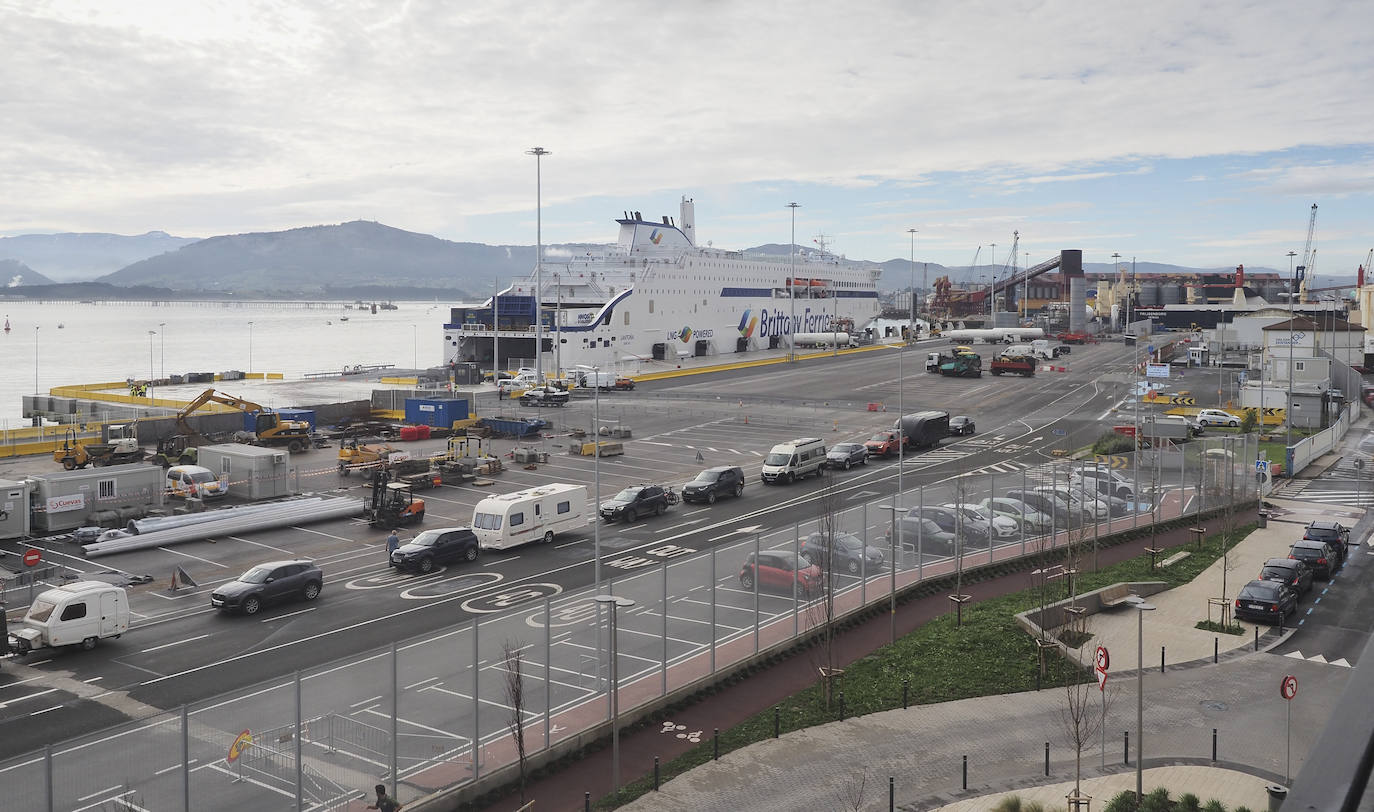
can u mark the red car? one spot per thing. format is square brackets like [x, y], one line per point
[884, 444]
[779, 570]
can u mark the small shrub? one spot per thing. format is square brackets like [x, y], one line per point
[1157, 801]
[1124, 801]
[1214, 806]
[1189, 802]
[1249, 419]
[1113, 443]
[1012, 804]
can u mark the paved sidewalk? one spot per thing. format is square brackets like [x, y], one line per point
[1232, 787]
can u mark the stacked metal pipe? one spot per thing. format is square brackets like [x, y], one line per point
[154, 523]
[279, 514]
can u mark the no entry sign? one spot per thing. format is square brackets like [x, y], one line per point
[32, 557]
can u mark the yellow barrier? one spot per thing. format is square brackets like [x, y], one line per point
[389, 414]
[677, 373]
[411, 381]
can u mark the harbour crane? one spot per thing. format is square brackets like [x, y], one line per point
[1306, 256]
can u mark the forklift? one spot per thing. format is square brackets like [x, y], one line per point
[393, 504]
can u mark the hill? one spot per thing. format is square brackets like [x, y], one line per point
[316, 260]
[15, 274]
[73, 257]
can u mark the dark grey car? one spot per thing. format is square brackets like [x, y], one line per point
[434, 547]
[272, 582]
[723, 480]
[846, 550]
[845, 455]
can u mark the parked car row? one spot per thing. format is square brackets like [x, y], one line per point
[1282, 582]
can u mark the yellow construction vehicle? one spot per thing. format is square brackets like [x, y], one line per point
[355, 456]
[268, 428]
[119, 445]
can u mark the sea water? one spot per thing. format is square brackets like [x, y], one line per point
[55, 344]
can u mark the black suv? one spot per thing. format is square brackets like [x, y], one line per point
[272, 582]
[1318, 555]
[635, 501]
[848, 551]
[438, 546]
[951, 522]
[1335, 534]
[714, 482]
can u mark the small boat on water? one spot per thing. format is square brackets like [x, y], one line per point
[343, 318]
[60, 325]
[7, 324]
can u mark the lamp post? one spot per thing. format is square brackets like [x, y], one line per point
[162, 350]
[992, 262]
[250, 348]
[495, 335]
[1288, 407]
[596, 469]
[538, 153]
[614, 603]
[792, 287]
[1116, 271]
[151, 333]
[1141, 608]
[35, 361]
[912, 232]
[414, 347]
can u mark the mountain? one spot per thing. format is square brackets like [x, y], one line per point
[14, 273]
[79, 257]
[325, 260]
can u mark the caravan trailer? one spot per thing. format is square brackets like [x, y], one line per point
[534, 514]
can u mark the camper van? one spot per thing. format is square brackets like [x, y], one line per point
[76, 614]
[788, 462]
[534, 514]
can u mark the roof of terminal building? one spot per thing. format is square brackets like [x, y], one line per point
[1323, 326]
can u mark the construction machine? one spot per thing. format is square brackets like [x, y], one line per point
[119, 444]
[175, 449]
[393, 504]
[268, 426]
[354, 455]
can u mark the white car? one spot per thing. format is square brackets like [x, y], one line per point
[1002, 526]
[1217, 417]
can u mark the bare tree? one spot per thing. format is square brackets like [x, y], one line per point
[961, 498]
[820, 611]
[514, 657]
[852, 791]
[1081, 715]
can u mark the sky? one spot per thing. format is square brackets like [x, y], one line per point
[1194, 133]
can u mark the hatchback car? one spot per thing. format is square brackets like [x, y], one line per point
[434, 547]
[1266, 601]
[1217, 417]
[1002, 527]
[1057, 509]
[723, 480]
[272, 582]
[923, 535]
[847, 551]
[885, 444]
[1290, 571]
[1316, 554]
[1334, 534]
[844, 455]
[1033, 520]
[961, 424]
[779, 570]
[951, 521]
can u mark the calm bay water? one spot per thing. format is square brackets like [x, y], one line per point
[111, 342]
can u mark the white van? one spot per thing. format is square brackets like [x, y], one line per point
[788, 462]
[534, 514]
[76, 614]
[194, 480]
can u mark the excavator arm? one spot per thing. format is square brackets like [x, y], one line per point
[211, 396]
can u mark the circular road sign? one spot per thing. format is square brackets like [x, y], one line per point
[1102, 659]
[1289, 687]
[32, 557]
[241, 743]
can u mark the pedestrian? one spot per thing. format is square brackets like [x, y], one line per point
[392, 542]
[385, 803]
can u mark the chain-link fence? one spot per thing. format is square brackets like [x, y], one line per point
[440, 710]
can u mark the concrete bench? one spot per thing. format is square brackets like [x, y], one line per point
[1114, 595]
[1174, 559]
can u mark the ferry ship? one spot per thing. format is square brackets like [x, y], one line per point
[658, 296]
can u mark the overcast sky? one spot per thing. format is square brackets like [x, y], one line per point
[1197, 133]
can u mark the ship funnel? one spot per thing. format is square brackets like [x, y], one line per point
[1240, 276]
[689, 220]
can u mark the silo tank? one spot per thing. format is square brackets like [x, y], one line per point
[1171, 293]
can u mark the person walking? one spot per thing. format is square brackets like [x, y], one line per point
[392, 542]
[385, 803]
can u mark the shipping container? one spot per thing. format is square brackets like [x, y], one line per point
[436, 412]
[66, 500]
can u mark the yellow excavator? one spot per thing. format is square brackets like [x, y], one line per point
[268, 427]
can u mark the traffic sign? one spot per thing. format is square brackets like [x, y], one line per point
[32, 557]
[1178, 400]
[1115, 461]
[1058, 432]
[1289, 687]
[1262, 466]
[241, 743]
[1150, 348]
[1101, 661]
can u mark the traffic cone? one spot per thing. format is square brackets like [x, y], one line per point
[173, 587]
[835, 426]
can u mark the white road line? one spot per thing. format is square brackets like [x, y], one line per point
[46, 710]
[289, 614]
[9, 702]
[196, 557]
[165, 770]
[101, 792]
[445, 733]
[88, 681]
[260, 544]
[177, 643]
[412, 686]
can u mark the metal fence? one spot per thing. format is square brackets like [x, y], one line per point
[436, 711]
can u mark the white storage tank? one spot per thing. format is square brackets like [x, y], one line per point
[253, 472]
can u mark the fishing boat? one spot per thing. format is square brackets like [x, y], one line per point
[657, 295]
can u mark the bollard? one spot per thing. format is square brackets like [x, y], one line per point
[1126, 749]
[1214, 744]
[891, 794]
[841, 706]
[1216, 648]
[1161, 659]
[906, 684]
[715, 745]
[776, 722]
[1257, 638]
[656, 773]
[1047, 758]
[965, 772]
[586, 802]
[1037, 679]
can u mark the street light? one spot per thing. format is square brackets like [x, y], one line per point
[35, 360]
[1141, 608]
[538, 153]
[596, 468]
[992, 262]
[162, 341]
[1116, 271]
[614, 603]
[151, 397]
[912, 232]
[1288, 410]
[250, 348]
[414, 348]
[792, 287]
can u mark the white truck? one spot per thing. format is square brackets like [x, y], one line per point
[75, 614]
[534, 514]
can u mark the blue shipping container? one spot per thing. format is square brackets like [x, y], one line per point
[250, 419]
[436, 412]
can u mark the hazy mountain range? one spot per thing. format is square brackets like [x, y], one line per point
[359, 259]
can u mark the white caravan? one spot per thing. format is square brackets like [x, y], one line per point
[77, 614]
[534, 514]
